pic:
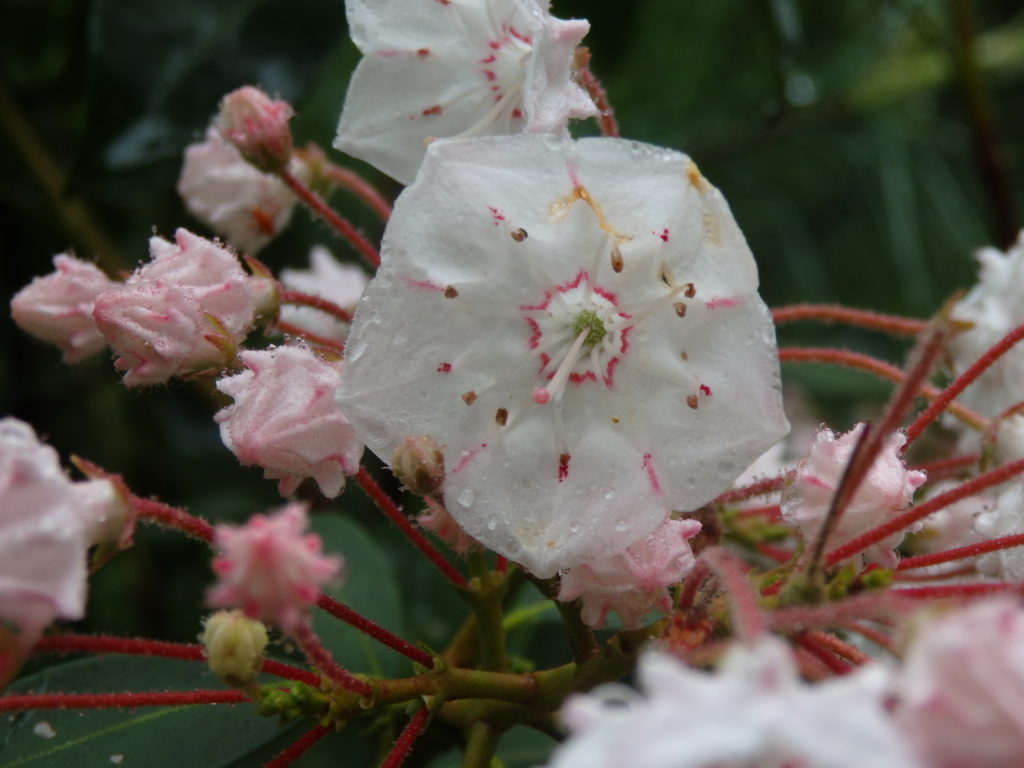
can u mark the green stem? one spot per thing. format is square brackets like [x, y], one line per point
[481, 743]
[582, 640]
[487, 599]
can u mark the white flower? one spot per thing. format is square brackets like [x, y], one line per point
[887, 488]
[47, 524]
[962, 687]
[448, 68]
[327, 278]
[754, 712]
[578, 326]
[232, 197]
[1006, 519]
[994, 306]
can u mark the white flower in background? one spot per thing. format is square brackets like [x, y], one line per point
[455, 68]
[329, 279]
[754, 712]
[47, 524]
[952, 526]
[887, 489]
[57, 308]
[578, 326]
[228, 194]
[961, 690]
[993, 306]
[1005, 519]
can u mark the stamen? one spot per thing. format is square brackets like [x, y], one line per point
[617, 263]
[557, 384]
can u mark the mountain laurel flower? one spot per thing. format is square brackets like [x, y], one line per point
[753, 711]
[1006, 518]
[992, 307]
[57, 308]
[961, 690]
[47, 523]
[183, 311]
[231, 196]
[284, 419]
[455, 69]
[258, 128]
[887, 489]
[329, 279]
[577, 324]
[636, 581]
[271, 568]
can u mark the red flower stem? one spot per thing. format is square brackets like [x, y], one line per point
[862, 318]
[961, 382]
[778, 554]
[134, 646]
[18, 702]
[605, 114]
[746, 613]
[321, 658]
[958, 590]
[312, 338]
[942, 468]
[394, 514]
[872, 634]
[879, 368]
[297, 748]
[866, 606]
[316, 302]
[406, 738]
[838, 647]
[906, 576]
[971, 550]
[759, 488]
[688, 591]
[824, 655]
[170, 517]
[360, 187]
[922, 510]
[339, 223]
[374, 630]
[773, 512]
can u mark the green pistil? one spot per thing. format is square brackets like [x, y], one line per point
[587, 320]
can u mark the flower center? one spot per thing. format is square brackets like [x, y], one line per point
[588, 320]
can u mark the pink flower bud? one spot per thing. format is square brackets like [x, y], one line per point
[887, 488]
[437, 520]
[258, 127]
[231, 196]
[285, 420]
[182, 312]
[57, 308]
[635, 582]
[271, 568]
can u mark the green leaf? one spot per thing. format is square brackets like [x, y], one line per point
[369, 588]
[210, 736]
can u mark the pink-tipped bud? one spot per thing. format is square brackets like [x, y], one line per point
[419, 465]
[271, 568]
[258, 127]
[234, 646]
[184, 311]
[284, 419]
[57, 308]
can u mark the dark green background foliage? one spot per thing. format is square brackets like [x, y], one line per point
[840, 132]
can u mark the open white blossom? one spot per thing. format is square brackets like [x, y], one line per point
[330, 279]
[993, 306]
[455, 68]
[754, 712]
[577, 325]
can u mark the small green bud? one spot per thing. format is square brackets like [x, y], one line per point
[419, 465]
[234, 647]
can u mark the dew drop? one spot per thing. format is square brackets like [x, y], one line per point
[492, 524]
[465, 498]
[621, 526]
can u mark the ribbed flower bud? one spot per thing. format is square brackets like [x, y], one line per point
[258, 127]
[234, 646]
[419, 464]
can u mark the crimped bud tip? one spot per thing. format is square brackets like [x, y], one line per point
[234, 646]
[419, 464]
